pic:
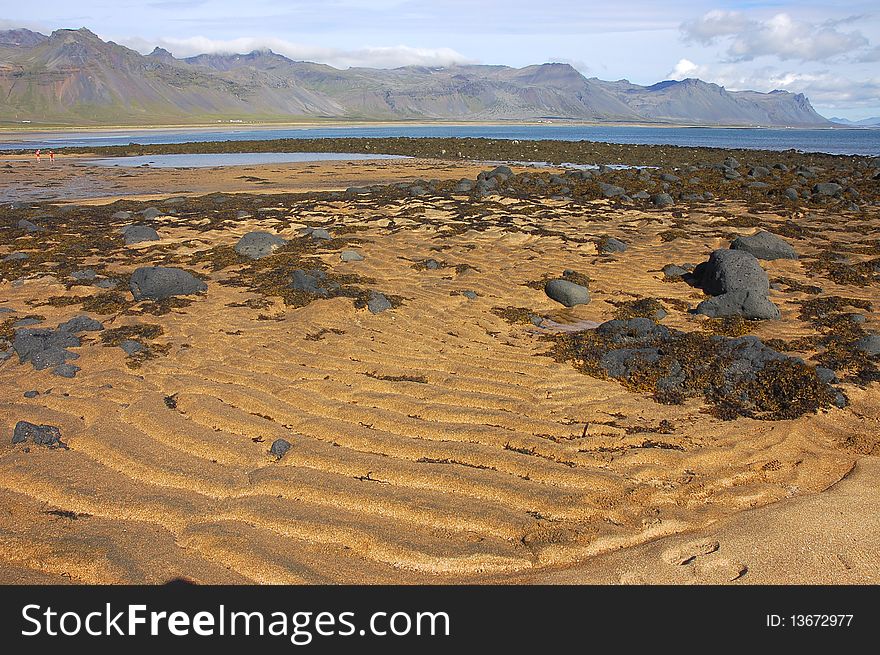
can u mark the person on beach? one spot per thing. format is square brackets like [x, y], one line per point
[51, 155]
[37, 155]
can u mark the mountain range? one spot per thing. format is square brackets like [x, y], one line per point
[865, 122]
[74, 77]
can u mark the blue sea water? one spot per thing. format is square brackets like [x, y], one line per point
[834, 141]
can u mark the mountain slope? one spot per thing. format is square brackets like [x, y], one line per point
[73, 76]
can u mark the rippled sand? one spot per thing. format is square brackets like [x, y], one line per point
[435, 442]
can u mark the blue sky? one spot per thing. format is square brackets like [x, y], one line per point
[829, 51]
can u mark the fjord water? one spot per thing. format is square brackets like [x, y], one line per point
[834, 141]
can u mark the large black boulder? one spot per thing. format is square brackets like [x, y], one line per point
[731, 270]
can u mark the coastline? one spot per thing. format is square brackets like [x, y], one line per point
[28, 133]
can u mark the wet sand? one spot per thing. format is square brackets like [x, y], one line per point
[435, 442]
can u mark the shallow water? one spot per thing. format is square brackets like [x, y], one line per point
[834, 141]
[234, 159]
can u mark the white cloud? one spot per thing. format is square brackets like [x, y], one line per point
[714, 24]
[780, 35]
[373, 57]
[683, 69]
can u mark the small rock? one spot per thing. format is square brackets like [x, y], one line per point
[611, 190]
[869, 344]
[377, 302]
[279, 448]
[610, 244]
[133, 234]
[464, 186]
[471, 295]
[256, 245]
[351, 256]
[27, 226]
[672, 271]
[662, 200]
[16, 257]
[41, 435]
[81, 324]
[131, 347]
[566, 292]
[31, 394]
[121, 216]
[827, 189]
[313, 281]
[85, 275]
[317, 233]
[827, 375]
[66, 370]
[151, 212]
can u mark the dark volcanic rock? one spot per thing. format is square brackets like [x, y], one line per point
[742, 302]
[314, 282]
[731, 270]
[27, 226]
[662, 200]
[279, 448]
[566, 292]
[673, 271]
[81, 324]
[611, 190]
[131, 347]
[66, 370]
[827, 189]
[44, 347]
[316, 233]
[40, 435]
[739, 284]
[85, 275]
[765, 245]
[139, 234]
[377, 302]
[161, 282]
[256, 245]
[869, 344]
[610, 244]
[464, 186]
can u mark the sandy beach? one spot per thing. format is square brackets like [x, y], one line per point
[440, 441]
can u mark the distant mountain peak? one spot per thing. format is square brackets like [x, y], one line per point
[21, 38]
